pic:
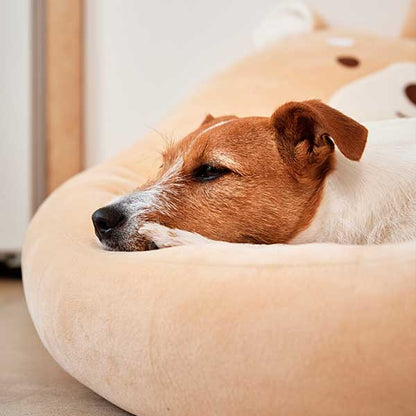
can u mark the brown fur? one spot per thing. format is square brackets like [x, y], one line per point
[276, 182]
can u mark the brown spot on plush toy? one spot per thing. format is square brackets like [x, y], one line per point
[410, 92]
[348, 61]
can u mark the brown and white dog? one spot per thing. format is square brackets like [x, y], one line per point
[290, 178]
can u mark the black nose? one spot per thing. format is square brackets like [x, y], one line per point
[410, 91]
[106, 219]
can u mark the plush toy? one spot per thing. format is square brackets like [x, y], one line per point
[385, 92]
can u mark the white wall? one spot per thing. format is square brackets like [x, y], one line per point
[383, 17]
[144, 56]
[15, 123]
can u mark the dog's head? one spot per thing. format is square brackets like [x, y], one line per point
[252, 180]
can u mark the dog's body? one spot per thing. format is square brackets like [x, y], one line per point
[370, 202]
[277, 180]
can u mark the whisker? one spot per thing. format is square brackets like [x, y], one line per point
[168, 138]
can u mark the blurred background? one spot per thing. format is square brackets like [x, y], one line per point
[81, 80]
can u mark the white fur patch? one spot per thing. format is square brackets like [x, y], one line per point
[157, 197]
[372, 201]
[221, 123]
[172, 173]
[168, 237]
[159, 193]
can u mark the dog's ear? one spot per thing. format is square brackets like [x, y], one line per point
[305, 131]
[208, 118]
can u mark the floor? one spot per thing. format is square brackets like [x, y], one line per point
[31, 383]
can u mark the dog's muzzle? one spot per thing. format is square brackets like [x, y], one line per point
[111, 228]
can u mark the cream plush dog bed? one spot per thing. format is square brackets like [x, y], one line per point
[316, 329]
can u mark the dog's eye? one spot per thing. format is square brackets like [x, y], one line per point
[208, 172]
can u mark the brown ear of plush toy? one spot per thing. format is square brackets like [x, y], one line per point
[409, 27]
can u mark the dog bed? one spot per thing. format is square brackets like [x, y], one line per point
[318, 329]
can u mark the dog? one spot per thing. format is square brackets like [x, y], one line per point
[295, 177]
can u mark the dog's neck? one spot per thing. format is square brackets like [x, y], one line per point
[369, 202]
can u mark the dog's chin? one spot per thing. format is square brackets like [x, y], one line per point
[126, 245]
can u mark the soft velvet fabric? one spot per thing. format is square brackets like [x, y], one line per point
[319, 329]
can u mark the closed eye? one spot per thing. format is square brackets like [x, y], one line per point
[208, 172]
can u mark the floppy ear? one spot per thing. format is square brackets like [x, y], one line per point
[207, 119]
[304, 131]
